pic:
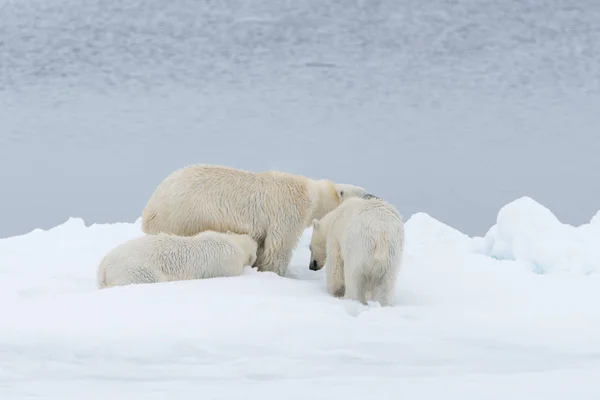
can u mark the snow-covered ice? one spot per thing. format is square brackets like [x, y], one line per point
[530, 232]
[475, 319]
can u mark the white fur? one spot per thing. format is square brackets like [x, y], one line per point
[361, 243]
[273, 207]
[163, 258]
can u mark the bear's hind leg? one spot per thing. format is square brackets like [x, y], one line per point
[356, 283]
[134, 276]
[363, 289]
[386, 291]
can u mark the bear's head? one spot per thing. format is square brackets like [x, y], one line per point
[318, 253]
[347, 191]
[330, 195]
[248, 244]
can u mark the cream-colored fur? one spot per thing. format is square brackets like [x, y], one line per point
[163, 258]
[361, 243]
[273, 207]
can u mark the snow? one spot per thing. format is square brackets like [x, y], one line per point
[529, 232]
[473, 320]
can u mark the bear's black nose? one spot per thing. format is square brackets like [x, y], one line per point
[313, 265]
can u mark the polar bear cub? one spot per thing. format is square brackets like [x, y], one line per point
[362, 243]
[165, 257]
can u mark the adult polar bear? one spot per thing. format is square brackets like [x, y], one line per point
[273, 207]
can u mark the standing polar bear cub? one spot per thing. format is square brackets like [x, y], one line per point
[362, 243]
[164, 258]
[273, 207]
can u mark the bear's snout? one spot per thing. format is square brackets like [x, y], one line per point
[313, 266]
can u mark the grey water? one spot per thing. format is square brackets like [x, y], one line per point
[453, 108]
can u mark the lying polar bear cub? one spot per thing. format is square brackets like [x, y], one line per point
[362, 243]
[164, 257]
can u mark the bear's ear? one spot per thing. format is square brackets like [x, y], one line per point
[341, 194]
[315, 224]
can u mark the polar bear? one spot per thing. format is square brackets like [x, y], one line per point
[362, 243]
[273, 207]
[164, 258]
